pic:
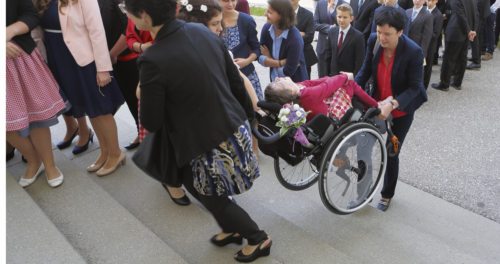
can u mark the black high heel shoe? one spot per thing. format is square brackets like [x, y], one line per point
[79, 149]
[183, 201]
[65, 144]
[257, 253]
[233, 238]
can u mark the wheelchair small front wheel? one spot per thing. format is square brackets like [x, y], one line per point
[298, 177]
[352, 168]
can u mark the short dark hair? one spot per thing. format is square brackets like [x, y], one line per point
[281, 97]
[197, 15]
[391, 16]
[285, 10]
[160, 11]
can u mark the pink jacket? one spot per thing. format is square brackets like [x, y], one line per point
[84, 34]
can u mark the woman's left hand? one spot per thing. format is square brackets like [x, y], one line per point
[265, 51]
[103, 79]
[13, 51]
[241, 62]
[385, 110]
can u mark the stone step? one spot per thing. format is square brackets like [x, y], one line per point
[97, 226]
[188, 229]
[418, 226]
[31, 236]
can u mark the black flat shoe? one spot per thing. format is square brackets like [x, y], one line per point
[440, 86]
[65, 144]
[132, 146]
[79, 149]
[183, 201]
[384, 204]
[10, 155]
[257, 253]
[233, 238]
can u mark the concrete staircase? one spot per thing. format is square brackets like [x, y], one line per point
[127, 217]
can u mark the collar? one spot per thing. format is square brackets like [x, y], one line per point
[430, 10]
[297, 10]
[418, 10]
[284, 34]
[169, 27]
[345, 30]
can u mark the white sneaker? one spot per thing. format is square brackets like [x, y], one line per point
[27, 182]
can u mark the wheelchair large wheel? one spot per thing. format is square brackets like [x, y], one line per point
[352, 168]
[298, 177]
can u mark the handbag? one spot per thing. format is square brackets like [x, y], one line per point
[155, 156]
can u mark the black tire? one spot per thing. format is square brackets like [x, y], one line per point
[298, 177]
[351, 168]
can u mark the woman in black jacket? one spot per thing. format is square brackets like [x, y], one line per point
[196, 93]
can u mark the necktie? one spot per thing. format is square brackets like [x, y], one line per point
[339, 44]
[414, 15]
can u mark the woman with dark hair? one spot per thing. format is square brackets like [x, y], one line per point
[282, 46]
[394, 63]
[240, 37]
[211, 143]
[79, 58]
[33, 102]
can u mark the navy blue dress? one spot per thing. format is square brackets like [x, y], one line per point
[78, 84]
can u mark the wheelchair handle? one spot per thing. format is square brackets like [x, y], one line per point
[264, 139]
[370, 113]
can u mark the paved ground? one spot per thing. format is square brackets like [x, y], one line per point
[453, 149]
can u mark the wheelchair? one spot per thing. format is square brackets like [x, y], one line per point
[348, 157]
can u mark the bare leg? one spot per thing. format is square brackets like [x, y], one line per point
[71, 126]
[105, 127]
[103, 145]
[176, 192]
[28, 151]
[41, 141]
[83, 133]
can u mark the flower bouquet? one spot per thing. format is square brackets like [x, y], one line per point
[293, 116]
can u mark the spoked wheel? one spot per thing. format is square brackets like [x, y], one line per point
[298, 177]
[352, 168]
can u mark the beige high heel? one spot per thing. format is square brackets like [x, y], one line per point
[121, 161]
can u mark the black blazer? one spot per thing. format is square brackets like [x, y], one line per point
[350, 56]
[323, 21]
[463, 19]
[437, 28]
[421, 28]
[24, 11]
[363, 20]
[407, 72]
[195, 90]
[305, 23]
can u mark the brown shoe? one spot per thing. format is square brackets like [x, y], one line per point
[487, 56]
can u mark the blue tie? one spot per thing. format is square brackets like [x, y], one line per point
[415, 13]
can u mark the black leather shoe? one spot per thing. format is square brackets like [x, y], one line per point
[65, 144]
[258, 252]
[440, 86]
[133, 145]
[233, 238]
[456, 86]
[183, 201]
[473, 66]
[79, 149]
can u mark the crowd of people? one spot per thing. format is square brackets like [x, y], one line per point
[85, 58]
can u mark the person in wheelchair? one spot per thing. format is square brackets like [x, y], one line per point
[330, 96]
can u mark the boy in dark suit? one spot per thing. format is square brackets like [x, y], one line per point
[345, 48]
[437, 27]
[420, 25]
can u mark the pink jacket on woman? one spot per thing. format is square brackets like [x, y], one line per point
[84, 34]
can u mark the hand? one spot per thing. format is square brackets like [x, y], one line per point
[146, 45]
[103, 79]
[265, 51]
[138, 91]
[350, 75]
[241, 62]
[13, 51]
[472, 35]
[385, 110]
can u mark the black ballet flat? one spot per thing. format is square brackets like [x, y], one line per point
[79, 149]
[233, 238]
[132, 146]
[183, 201]
[65, 144]
[10, 155]
[257, 253]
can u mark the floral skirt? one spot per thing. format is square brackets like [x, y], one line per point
[228, 169]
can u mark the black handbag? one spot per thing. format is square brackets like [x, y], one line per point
[155, 156]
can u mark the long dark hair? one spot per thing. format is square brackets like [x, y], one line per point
[197, 14]
[285, 10]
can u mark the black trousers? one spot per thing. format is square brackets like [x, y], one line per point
[454, 62]
[127, 76]
[400, 127]
[478, 43]
[230, 217]
[433, 46]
